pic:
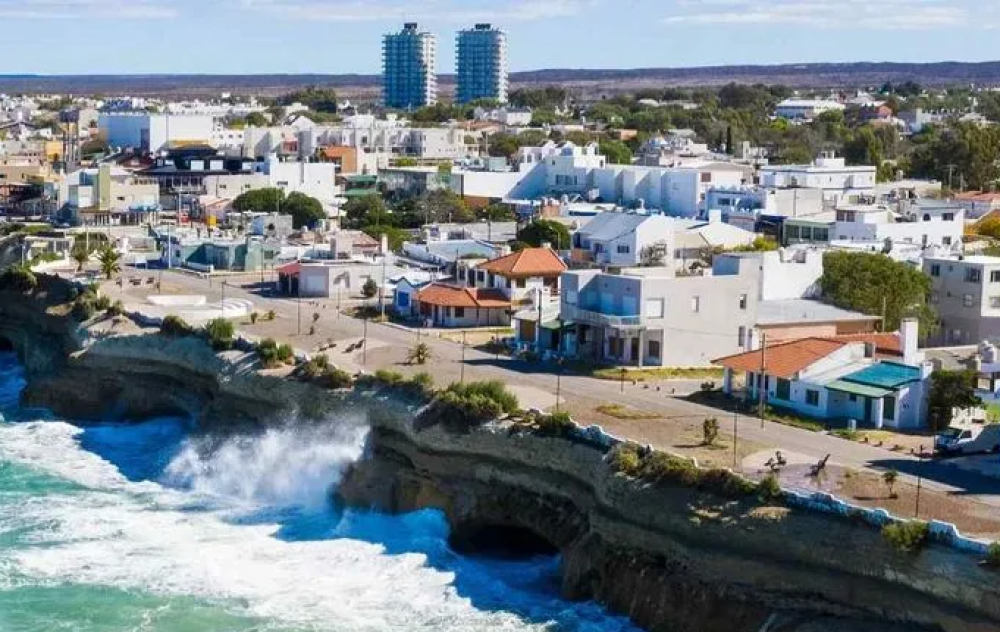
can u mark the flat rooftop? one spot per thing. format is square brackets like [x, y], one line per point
[796, 311]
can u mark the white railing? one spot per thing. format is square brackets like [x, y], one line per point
[571, 312]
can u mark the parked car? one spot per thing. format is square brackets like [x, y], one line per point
[968, 438]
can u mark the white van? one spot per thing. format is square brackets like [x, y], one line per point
[968, 438]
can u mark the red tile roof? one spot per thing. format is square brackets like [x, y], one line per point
[888, 344]
[290, 269]
[978, 196]
[784, 359]
[530, 262]
[455, 296]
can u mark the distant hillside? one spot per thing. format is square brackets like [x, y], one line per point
[835, 75]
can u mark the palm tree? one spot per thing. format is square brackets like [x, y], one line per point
[110, 262]
[890, 481]
[420, 354]
[81, 257]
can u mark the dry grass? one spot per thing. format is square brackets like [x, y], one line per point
[619, 411]
[653, 375]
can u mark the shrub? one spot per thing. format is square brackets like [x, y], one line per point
[388, 378]
[993, 555]
[906, 537]
[254, 317]
[494, 390]
[555, 425]
[314, 368]
[175, 326]
[270, 314]
[102, 303]
[117, 309]
[710, 431]
[220, 333]
[335, 378]
[419, 354]
[84, 308]
[18, 279]
[285, 353]
[626, 458]
[462, 406]
[769, 489]
[889, 478]
[267, 350]
[369, 289]
[660, 467]
[707, 387]
[420, 385]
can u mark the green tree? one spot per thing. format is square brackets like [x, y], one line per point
[306, 211]
[365, 210]
[314, 97]
[503, 145]
[369, 289]
[988, 227]
[889, 477]
[950, 390]
[395, 236]
[616, 152]
[256, 119]
[444, 205]
[267, 200]
[80, 255]
[110, 261]
[875, 284]
[545, 230]
[497, 213]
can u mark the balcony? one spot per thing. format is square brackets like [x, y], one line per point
[587, 317]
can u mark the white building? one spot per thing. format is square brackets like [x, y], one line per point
[409, 68]
[913, 223]
[828, 174]
[806, 109]
[481, 65]
[315, 179]
[152, 132]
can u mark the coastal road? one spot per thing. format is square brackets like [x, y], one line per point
[447, 355]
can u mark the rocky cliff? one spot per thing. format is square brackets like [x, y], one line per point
[671, 558]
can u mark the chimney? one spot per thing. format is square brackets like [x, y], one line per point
[909, 341]
[869, 349]
[547, 245]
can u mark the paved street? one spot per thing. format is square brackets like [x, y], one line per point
[388, 338]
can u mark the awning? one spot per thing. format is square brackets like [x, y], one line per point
[556, 324]
[857, 389]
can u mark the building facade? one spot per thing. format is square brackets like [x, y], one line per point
[481, 64]
[409, 68]
[965, 292]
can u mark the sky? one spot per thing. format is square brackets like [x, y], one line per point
[343, 36]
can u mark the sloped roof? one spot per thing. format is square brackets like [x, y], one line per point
[526, 263]
[888, 343]
[784, 359]
[445, 295]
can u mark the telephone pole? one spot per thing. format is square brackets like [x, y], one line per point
[762, 383]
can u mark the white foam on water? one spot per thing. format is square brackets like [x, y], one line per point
[150, 537]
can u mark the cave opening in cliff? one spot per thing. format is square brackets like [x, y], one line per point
[6, 346]
[502, 542]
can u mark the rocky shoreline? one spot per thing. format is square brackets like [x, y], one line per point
[669, 557]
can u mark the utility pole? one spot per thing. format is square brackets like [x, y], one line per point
[381, 289]
[762, 384]
[222, 305]
[736, 432]
[462, 376]
[364, 344]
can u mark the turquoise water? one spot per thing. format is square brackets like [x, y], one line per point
[148, 527]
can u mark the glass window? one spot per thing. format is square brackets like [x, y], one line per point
[654, 308]
[570, 297]
[459, 312]
[936, 270]
[935, 297]
[967, 300]
[521, 283]
[949, 217]
[995, 302]
[743, 301]
[946, 241]
[741, 337]
[783, 390]
[623, 250]
[995, 276]
[821, 234]
[695, 303]
[973, 275]
[792, 232]
[812, 398]
[653, 348]
[852, 397]
[888, 407]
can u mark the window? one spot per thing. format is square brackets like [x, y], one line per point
[995, 302]
[570, 297]
[783, 389]
[459, 312]
[623, 249]
[967, 300]
[598, 248]
[402, 299]
[935, 297]
[653, 349]
[995, 276]
[812, 398]
[741, 337]
[946, 241]
[936, 270]
[654, 308]
[522, 283]
[695, 304]
[852, 397]
[821, 234]
[888, 408]
[743, 301]
[973, 275]
[948, 217]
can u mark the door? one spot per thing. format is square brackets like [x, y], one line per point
[635, 357]
[868, 410]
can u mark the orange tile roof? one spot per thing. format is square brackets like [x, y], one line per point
[530, 262]
[888, 343]
[784, 359]
[444, 295]
[978, 196]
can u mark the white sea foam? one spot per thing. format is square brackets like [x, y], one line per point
[147, 536]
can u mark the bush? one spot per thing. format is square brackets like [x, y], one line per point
[117, 309]
[419, 354]
[286, 354]
[494, 390]
[220, 333]
[462, 406]
[314, 368]
[267, 350]
[710, 431]
[18, 279]
[388, 378]
[993, 555]
[726, 483]
[769, 489]
[906, 537]
[421, 385]
[660, 467]
[84, 308]
[369, 289]
[335, 378]
[175, 326]
[626, 458]
[270, 314]
[555, 425]
[102, 303]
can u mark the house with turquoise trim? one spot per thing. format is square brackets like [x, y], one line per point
[878, 380]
